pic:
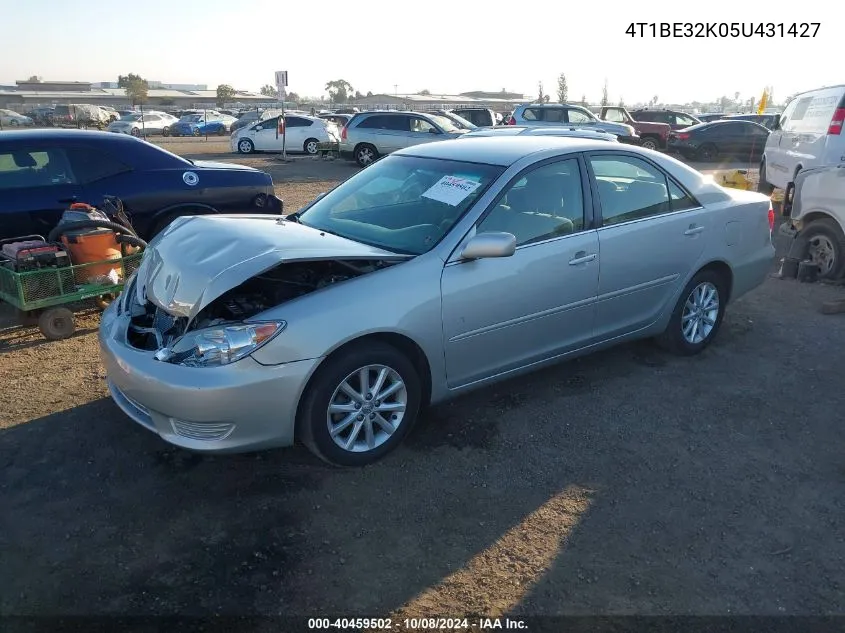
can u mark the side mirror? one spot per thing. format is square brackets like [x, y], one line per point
[484, 245]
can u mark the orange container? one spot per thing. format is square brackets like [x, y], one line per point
[97, 245]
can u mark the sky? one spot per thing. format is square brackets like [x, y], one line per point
[405, 47]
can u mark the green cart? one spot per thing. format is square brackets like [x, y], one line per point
[42, 296]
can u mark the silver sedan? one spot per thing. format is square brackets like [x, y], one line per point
[438, 269]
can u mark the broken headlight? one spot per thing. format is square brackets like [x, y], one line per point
[219, 345]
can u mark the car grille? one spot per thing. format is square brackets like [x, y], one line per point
[203, 431]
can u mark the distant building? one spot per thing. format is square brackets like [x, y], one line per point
[434, 102]
[29, 94]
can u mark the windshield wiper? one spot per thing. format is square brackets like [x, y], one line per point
[292, 217]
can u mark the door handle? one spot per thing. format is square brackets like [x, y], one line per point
[693, 230]
[582, 258]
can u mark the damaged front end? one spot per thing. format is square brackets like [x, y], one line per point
[199, 293]
[222, 332]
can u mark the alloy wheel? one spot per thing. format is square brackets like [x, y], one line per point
[822, 253]
[367, 408]
[700, 312]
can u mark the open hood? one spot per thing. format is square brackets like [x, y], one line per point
[196, 259]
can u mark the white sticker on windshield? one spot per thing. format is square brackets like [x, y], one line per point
[451, 190]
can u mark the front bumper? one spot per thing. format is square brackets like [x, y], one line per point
[239, 407]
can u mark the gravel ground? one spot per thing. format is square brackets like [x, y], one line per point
[626, 482]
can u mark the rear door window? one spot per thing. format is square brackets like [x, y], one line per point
[576, 116]
[34, 168]
[533, 114]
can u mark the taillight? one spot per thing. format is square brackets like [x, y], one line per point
[836, 121]
[343, 134]
[512, 121]
[682, 136]
[771, 218]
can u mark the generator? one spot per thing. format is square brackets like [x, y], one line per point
[32, 252]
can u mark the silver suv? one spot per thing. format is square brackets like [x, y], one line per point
[372, 134]
[558, 114]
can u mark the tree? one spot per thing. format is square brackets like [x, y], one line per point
[369, 93]
[604, 98]
[135, 86]
[655, 100]
[621, 101]
[584, 100]
[562, 89]
[358, 94]
[541, 97]
[225, 93]
[292, 96]
[424, 92]
[34, 79]
[269, 91]
[736, 97]
[339, 90]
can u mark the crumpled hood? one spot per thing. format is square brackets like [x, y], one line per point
[199, 258]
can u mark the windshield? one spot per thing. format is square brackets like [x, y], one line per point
[403, 204]
[131, 117]
[460, 121]
[445, 124]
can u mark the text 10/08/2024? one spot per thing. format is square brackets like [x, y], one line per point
[723, 29]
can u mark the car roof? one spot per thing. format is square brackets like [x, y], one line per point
[503, 151]
[61, 134]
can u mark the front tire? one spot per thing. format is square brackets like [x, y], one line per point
[245, 146]
[165, 131]
[360, 405]
[365, 154]
[697, 315]
[763, 185]
[826, 247]
[311, 146]
[135, 132]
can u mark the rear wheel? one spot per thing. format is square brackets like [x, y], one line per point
[826, 247]
[222, 131]
[135, 131]
[707, 153]
[697, 315]
[165, 131]
[311, 146]
[365, 154]
[649, 143]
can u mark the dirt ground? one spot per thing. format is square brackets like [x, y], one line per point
[626, 482]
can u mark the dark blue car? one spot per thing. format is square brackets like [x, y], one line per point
[196, 125]
[43, 171]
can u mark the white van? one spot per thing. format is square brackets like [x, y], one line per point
[809, 134]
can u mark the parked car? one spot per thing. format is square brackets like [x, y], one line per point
[301, 133]
[80, 115]
[480, 117]
[42, 115]
[44, 171]
[571, 132]
[707, 118]
[766, 120]
[458, 121]
[815, 203]
[338, 119]
[202, 124]
[676, 120]
[246, 333]
[10, 118]
[808, 134]
[370, 135]
[708, 141]
[252, 117]
[557, 114]
[110, 113]
[149, 123]
[652, 135]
